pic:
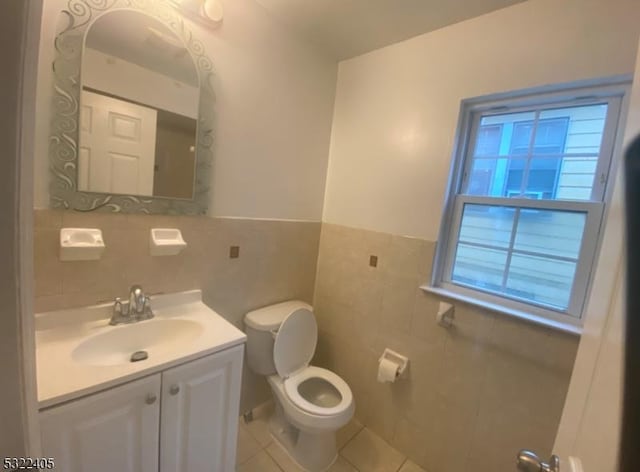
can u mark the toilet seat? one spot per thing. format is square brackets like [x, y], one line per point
[294, 346]
[292, 383]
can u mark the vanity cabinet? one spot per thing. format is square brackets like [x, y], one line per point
[112, 430]
[182, 419]
[199, 423]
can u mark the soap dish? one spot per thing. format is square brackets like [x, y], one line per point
[81, 244]
[166, 242]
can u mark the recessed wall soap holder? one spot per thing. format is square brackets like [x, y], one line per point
[81, 244]
[446, 314]
[166, 242]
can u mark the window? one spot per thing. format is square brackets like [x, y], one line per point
[526, 203]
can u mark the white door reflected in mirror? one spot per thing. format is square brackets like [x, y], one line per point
[139, 109]
[117, 146]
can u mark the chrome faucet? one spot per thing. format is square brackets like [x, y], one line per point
[136, 300]
[138, 308]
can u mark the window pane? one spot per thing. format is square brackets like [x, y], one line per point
[585, 127]
[551, 135]
[536, 264]
[479, 267]
[521, 137]
[481, 253]
[542, 178]
[541, 150]
[541, 280]
[487, 225]
[488, 140]
[576, 178]
[496, 177]
[491, 142]
[550, 233]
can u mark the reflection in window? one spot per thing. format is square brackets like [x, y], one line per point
[551, 154]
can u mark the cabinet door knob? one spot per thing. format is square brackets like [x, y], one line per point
[174, 389]
[151, 399]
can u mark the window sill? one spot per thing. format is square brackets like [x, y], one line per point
[531, 318]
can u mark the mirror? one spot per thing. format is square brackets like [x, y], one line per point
[138, 109]
[133, 103]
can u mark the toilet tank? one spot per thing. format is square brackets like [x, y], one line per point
[261, 327]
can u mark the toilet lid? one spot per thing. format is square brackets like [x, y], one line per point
[295, 342]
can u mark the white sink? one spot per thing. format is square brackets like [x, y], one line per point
[156, 336]
[78, 352]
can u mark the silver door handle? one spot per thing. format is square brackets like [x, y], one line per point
[528, 461]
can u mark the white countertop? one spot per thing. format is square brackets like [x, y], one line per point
[62, 378]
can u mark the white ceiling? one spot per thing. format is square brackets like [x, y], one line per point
[140, 39]
[348, 28]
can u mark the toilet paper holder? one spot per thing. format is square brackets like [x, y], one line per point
[399, 359]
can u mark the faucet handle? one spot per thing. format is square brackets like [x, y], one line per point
[116, 315]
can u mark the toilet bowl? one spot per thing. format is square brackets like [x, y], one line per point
[315, 399]
[312, 403]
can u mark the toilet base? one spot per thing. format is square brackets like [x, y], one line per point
[314, 452]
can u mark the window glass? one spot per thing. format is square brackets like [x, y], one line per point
[525, 254]
[549, 155]
[488, 140]
[550, 136]
[585, 127]
[526, 204]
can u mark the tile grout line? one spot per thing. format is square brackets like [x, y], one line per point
[352, 437]
[349, 462]
[243, 425]
[362, 427]
[273, 459]
[406, 459]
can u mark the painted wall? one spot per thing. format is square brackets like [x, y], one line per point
[397, 108]
[591, 420]
[274, 107]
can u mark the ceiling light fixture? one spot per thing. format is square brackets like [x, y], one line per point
[208, 13]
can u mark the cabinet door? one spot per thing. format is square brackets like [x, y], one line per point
[115, 430]
[200, 402]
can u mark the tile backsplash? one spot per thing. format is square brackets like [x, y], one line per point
[276, 261]
[475, 393]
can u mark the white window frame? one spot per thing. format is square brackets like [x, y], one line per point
[613, 93]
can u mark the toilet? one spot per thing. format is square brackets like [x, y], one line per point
[311, 403]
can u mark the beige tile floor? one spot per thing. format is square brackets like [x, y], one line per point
[360, 449]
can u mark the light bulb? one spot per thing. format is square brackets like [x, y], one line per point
[212, 9]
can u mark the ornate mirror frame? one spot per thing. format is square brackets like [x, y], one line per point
[64, 139]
